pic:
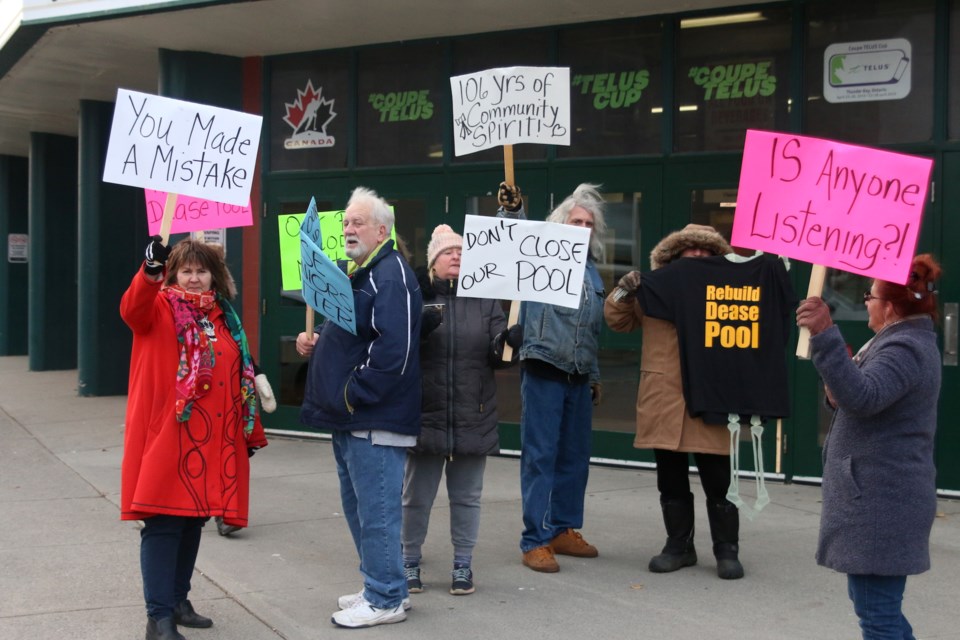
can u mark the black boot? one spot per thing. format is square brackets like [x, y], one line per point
[678, 552]
[225, 529]
[185, 616]
[162, 629]
[725, 530]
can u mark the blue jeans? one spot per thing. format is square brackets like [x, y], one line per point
[877, 602]
[168, 553]
[371, 482]
[555, 431]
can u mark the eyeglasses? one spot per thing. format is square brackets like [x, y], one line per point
[867, 297]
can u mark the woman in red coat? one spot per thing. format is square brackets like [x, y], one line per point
[191, 420]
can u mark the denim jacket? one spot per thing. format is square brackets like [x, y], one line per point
[566, 338]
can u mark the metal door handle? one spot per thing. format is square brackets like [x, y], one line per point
[950, 312]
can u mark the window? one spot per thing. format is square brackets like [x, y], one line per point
[400, 116]
[953, 83]
[493, 52]
[869, 71]
[733, 74]
[310, 106]
[617, 89]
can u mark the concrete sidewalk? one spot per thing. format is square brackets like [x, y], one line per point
[69, 568]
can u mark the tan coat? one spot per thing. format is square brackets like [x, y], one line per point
[662, 418]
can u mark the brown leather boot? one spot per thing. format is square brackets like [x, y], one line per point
[571, 543]
[541, 559]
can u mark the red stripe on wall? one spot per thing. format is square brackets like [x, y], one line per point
[250, 313]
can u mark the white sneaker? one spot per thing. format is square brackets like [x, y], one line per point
[364, 614]
[349, 600]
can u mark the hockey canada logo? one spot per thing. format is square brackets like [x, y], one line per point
[309, 116]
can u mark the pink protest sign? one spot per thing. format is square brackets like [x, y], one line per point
[839, 205]
[195, 214]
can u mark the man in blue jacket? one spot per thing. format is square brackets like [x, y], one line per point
[365, 388]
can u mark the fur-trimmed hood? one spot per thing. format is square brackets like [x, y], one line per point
[693, 236]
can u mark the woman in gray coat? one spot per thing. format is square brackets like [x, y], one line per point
[879, 491]
[461, 343]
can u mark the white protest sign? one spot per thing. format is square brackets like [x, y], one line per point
[508, 259]
[182, 147]
[509, 106]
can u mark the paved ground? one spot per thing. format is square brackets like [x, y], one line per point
[69, 568]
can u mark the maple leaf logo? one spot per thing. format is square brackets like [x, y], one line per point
[310, 111]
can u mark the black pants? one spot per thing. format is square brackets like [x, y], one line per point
[673, 480]
[168, 553]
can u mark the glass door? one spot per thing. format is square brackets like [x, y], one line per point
[633, 213]
[474, 192]
[948, 437]
[415, 199]
[703, 190]
[283, 313]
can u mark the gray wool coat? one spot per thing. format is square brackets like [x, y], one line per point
[457, 359]
[879, 490]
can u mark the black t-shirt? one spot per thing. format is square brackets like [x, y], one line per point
[733, 320]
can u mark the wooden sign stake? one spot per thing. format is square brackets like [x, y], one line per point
[514, 304]
[815, 289]
[169, 208]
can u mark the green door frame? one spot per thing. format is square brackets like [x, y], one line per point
[665, 186]
[683, 176]
[619, 353]
[948, 438]
[283, 317]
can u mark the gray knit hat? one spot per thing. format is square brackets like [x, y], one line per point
[692, 236]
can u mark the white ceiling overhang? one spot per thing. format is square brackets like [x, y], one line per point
[51, 61]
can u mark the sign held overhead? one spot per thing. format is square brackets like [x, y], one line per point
[510, 106]
[182, 147]
[828, 203]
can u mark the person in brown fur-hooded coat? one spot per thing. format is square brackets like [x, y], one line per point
[664, 425]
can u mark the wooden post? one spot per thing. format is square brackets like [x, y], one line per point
[169, 208]
[514, 304]
[817, 276]
[309, 320]
[511, 320]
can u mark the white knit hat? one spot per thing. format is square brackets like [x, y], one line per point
[443, 238]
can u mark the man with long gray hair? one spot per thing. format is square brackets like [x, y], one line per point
[559, 385]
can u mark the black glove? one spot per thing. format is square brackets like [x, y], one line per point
[514, 336]
[156, 255]
[430, 318]
[628, 285]
[251, 451]
[509, 197]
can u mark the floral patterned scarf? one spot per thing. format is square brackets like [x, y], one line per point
[195, 370]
